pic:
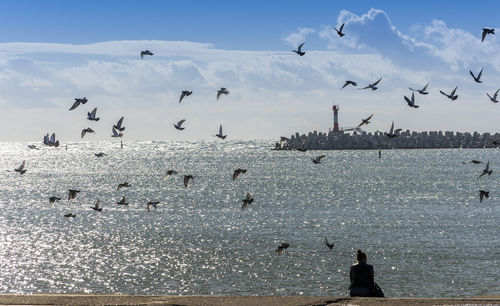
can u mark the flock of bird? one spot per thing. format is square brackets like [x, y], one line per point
[118, 128]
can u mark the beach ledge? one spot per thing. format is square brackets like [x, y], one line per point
[116, 299]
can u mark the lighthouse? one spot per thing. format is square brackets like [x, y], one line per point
[335, 118]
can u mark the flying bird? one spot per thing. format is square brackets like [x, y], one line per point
[372, 86]
[178, 125]
[486, 170]
[122, 185]
[452, 95]
[222, 91]
[237, 172]
[91, 116]
[21, 169]
[247, 201]
[122, 202]
[473, 162]
[97, 206]
[70, 215]
[494, 98]
[299, 50]
[72, 194]
[477, 79]
[87, 130]
[152, 204]
[411, 102]
[487, 31]
[283, 141]
[77, 102]
[282, 247]
[33, 147]
[421, 91]
[186, 180]
[317, 160]
[365, 121]
[51, 142]
[52, 200]
[339, 31]
[184, 93]
[349, 83]
[146, 52]
[118, 125]
[220, 135]
[115, 133]
[169, 173]
[392, 133]
[100, 154]
[483, 193]
[328, 244]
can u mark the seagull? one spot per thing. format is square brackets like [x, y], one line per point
[91, 115]
[97, 206]
[178, 125]
[77, 102]
[317, 160]
[365, 121]
[72, 194]
[237, 172]
[349, 83]
[222, 91]
[452, 95]
[477, 79]
[486, 170]
[421, 91]
[485, 32]
[124, 184]
[483, 193]
[473, 162]
[247, 201]
[118, 125]
[115, 133]
[220, 133]
[87, 130]
[152, 204]
[169, 173]
[494, 98]
[186, 179]
[281, 247]
[146, 52]
[100, 154]
[392, 133]
[52, 200]
[21, 169]
[122, 202]
[372, 86]
[70, 215]
[299, 50]
[339, 31]
[328, 244]
[184, 93]
[411, 102]
[33, 147]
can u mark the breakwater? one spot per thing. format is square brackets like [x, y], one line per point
[339, 140]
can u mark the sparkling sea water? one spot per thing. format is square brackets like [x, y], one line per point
[416, 213]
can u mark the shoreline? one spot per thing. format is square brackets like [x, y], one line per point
[101, 299]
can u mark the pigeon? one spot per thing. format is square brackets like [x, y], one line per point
[237, 172]
[339, 31]
[72, 194]
[365, 121]
[118, 125]
[247, 201]
[299, 50]
[70, 215]
[281, 247]
[33, 147]
[87, 130]
[21, 169]
[494, 98]
[349, 83]
[122, 202]
[91, 116]
[146, 52]
[97, 206]
[392, 133]
[284, 140]
[51, 142]
[169, 173]
[220, 133]
[421, 91]
[222, 91]
[77, 102]
[152, 204]
[328, 244]
[52, 200]
[184, 93]
[178, 125]
[483, 193]
[186, 180]
[317, 160]
[473, 162]
[411, 102]
[100, 154]
[452, 95]
[115, 133]
[487, 31]
[302, 148]
[477, 79]
[486, 170]
[124, 184]
[372, 86]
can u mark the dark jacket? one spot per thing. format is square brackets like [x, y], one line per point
[362, 276]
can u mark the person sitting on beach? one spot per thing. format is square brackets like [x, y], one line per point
[362, 279]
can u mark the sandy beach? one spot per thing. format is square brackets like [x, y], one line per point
[110, 299]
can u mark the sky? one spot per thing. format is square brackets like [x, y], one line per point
[54, 51]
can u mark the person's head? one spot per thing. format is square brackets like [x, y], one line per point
[361, 256]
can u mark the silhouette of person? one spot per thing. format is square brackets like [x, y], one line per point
[362, 278]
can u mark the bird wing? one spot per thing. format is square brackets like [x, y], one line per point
[94, 111]
[249, 196]
[320, 157]
[496, 94]
[364, 87]
[423, 89]
[413, 98]
[77, 102]
[220, 130]
[341, 27]
[481, 195]
[367, 119]
[84, 131]
[235, 174]
[300, 47]
[480, 73]
[346, 83]
[453, 92]
[183, 94]
[377, 82]
[407, 100]
[186, 181]
[52, 138]
[472, 74]
[484, 35]
[392, 128]
[181, 122]
[115, 134]
[119, 123]
[335, 29]
[487, 166]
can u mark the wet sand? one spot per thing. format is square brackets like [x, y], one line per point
[110, 299]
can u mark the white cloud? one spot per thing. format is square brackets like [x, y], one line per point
[299, 37]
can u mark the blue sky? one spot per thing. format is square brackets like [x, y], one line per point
[54, 51]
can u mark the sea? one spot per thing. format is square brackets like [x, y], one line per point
[415, 213]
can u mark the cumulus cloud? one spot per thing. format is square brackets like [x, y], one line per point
[298, 37]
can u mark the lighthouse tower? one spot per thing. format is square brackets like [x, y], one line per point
[335, 118]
